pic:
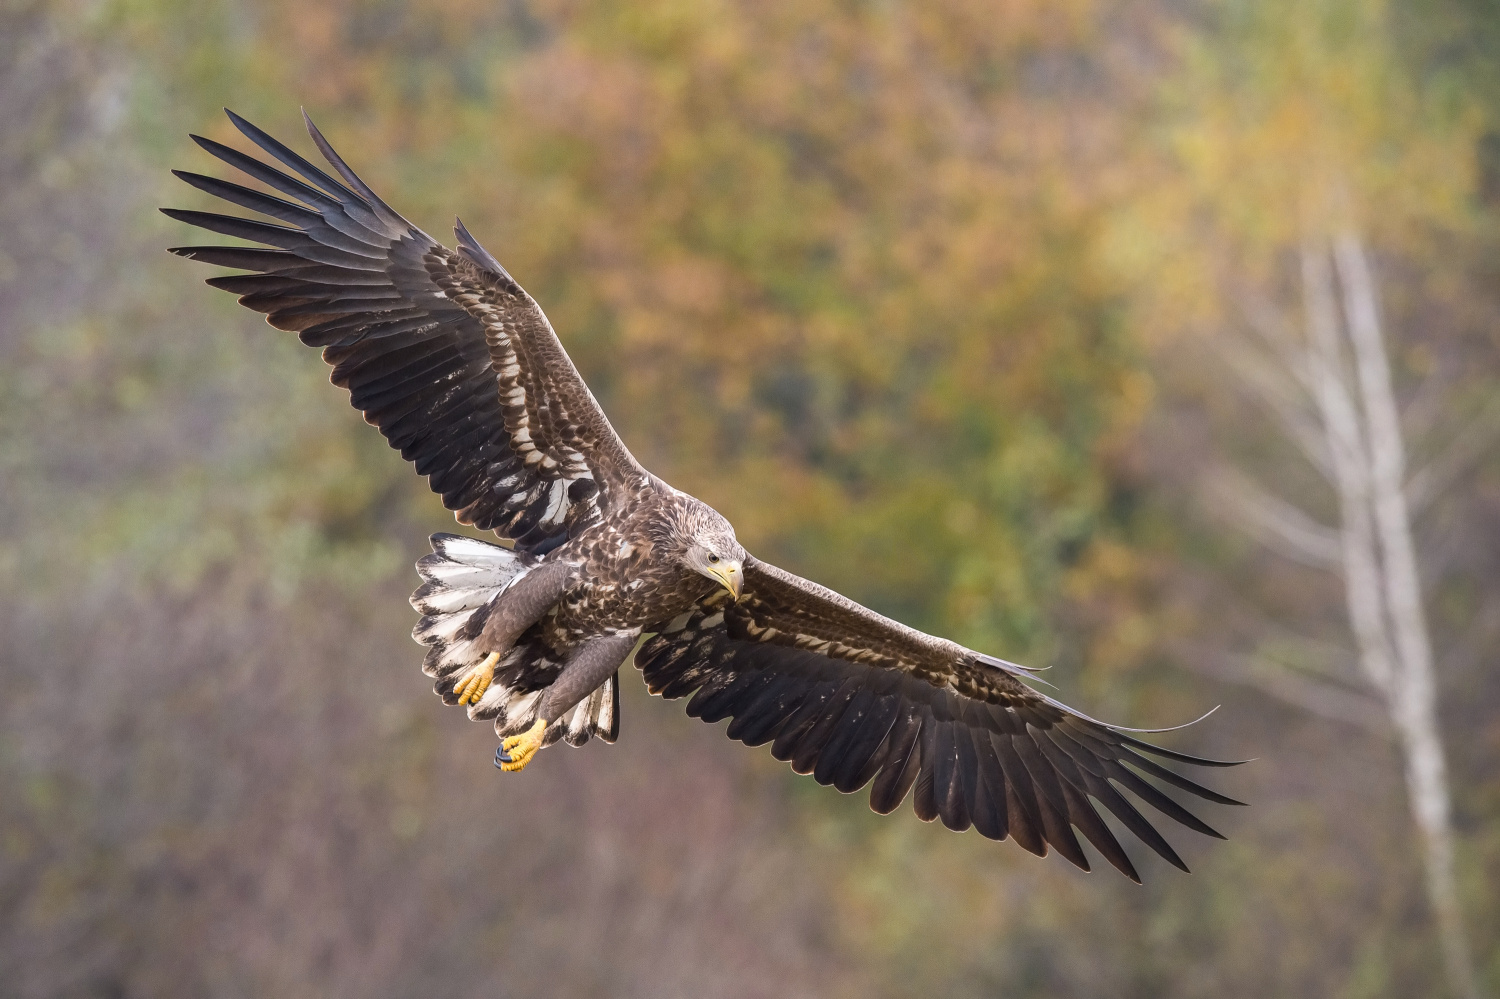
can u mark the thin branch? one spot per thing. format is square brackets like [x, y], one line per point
[1323, 699]
[1424, 413]
[1311, 656]
[1271, 520]
[1476, 644]
[1276, 392]
[1466, 450]
[1266, 320]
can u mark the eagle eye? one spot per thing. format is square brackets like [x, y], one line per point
[713, 558]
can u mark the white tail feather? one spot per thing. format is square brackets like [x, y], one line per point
[462, 577]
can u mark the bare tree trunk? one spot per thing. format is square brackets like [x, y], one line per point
[1413, 696]
[1351, 478]
[1342, 373]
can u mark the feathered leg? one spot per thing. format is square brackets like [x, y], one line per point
[593, 663]
[516, 608]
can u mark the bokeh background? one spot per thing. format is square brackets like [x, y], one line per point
[937, 301]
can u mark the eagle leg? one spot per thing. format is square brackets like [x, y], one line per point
[515, 608]
[589, 666]
[515, 752]
[470, 687]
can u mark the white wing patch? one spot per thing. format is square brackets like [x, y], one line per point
[557, 505]
[549, 452]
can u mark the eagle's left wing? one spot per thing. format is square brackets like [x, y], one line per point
[850, 696]
[441, 349]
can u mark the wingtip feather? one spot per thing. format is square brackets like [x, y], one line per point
[469, 247]
[1169, 754]
[350, 177]
[290, 158]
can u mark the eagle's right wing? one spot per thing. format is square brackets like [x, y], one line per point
[443, 351]
[852, 697]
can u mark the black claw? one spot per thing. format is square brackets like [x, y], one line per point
[501, 756]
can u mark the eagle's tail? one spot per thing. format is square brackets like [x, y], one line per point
[462, 577]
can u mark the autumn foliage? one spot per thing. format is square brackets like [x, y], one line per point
[926, 298]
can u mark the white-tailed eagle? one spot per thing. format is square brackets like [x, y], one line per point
[457, 366]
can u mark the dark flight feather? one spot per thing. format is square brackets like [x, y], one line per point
[401, 316]
[842, 687]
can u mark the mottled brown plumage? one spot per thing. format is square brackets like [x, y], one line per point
[458, 367]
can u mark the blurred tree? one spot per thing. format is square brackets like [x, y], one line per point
[1299, 131]
[1334, 390]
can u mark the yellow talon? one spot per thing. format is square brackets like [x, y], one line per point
[517, 751]
[471, 687]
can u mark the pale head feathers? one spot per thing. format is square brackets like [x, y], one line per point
[703, 541]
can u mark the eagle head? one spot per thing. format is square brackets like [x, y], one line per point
[711, 550]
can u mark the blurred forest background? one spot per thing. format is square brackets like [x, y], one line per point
[955, 306]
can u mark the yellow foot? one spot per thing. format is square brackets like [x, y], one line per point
[515, 752]
[471, 685]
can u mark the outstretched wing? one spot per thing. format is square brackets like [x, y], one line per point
[443, 351]
[849, 696]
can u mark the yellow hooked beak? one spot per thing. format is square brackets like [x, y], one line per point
[731, 574]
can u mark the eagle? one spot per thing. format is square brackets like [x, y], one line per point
[457, 366]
